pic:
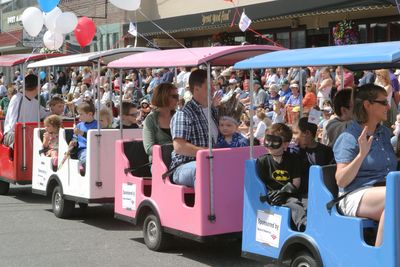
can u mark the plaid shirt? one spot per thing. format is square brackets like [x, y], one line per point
[190, 124]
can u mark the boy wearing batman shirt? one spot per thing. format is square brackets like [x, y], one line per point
[280, 172]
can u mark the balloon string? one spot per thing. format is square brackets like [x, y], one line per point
[237, 13]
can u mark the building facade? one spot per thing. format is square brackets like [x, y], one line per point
[292, 24]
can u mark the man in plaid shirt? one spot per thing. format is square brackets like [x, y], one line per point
[189, 129]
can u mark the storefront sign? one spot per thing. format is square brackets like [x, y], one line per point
[167, 42]
[11, 21]
[268, 228]
[219, 17]
[34, 42]
[14, 19]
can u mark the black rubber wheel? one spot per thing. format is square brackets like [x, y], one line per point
[304, 259]
[154, 237]
[62, 208]
[4, 188]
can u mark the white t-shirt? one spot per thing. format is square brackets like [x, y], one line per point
[260, 130]
[28, 112]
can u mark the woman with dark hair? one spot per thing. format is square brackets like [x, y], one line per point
[364, 157]
[156, 126]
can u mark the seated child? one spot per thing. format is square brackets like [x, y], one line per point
[129, 116]
[280, 172]
[86, 112]
[106, 118]
[278, 114]
[229, 121]
[52, 125]
[309, 150]
[56, 105]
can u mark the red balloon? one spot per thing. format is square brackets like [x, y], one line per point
[85, 31]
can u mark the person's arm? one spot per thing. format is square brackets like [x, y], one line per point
[149, 138]
[346, 172]
[183, 147]
[46, 140]
[12, 113]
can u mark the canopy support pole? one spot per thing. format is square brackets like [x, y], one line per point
[99, 183]
[24, 168]
[120, 103]
[342, 77]
[38, 90]
[251, 113]
[211, 216]
[301, 91]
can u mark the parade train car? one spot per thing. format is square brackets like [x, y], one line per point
[66, 185]
[330, 239]
[211, 209]
[16, 163]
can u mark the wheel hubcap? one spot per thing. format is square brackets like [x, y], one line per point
[303, 264]
[57, 200]
[152, 231]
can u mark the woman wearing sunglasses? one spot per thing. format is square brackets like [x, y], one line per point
[280, 172]
[156, 126]
[364, 157]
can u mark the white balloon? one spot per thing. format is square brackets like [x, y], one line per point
[126, 4]
[66, 23]
[51, 18]
[32, 20]
[53, 40]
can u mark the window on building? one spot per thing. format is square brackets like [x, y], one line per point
[283, 38]
[378, 32]
[362, 28]
[298, 39]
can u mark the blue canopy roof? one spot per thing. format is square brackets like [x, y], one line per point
[355, 57]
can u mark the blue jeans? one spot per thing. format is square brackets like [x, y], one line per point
[82, 157]
[185, 174]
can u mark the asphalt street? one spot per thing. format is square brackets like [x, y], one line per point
[30, 235]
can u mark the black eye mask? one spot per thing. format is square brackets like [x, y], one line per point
[272, 141]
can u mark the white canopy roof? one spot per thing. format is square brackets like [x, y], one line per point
[87, 59]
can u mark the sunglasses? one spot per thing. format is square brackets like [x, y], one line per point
[174, 96]
[382, 102]
[273, 141]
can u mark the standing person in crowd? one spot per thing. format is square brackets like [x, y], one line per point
[5, 101]
[310, 99]
[272, 98]
[343, 109]
[348, 78]
[368, 77]
[129, 116]
[325, 87]
[294, 76]
[383, 79]
[3, 90]
[57, 105]
[280, 172]
[285, 92]
[189, 129]
[260, 96]
[23, 109]
[168, 76]
[156, 126]
[364, 157]
[61, 83]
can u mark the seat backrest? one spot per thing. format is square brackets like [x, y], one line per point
[166, 151]
[134, 151]
[328, 173]
[69, 133]
[41, 134]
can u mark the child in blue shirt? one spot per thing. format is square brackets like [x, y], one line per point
[229, 121]
[86, 112]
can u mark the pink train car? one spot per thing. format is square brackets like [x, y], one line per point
[164, 208]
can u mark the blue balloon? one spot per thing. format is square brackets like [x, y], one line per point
[48, 5]
[42, 75]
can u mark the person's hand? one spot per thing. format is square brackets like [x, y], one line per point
[46, 135]
[78, 132]
[364, 143]
[216, 100]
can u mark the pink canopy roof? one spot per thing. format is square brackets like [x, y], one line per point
[16, 59]
[216, 56]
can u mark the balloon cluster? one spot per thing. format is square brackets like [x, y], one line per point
[58, 24]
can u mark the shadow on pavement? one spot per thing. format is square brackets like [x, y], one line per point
[210, 253]
[24, 193]
[100, 216]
